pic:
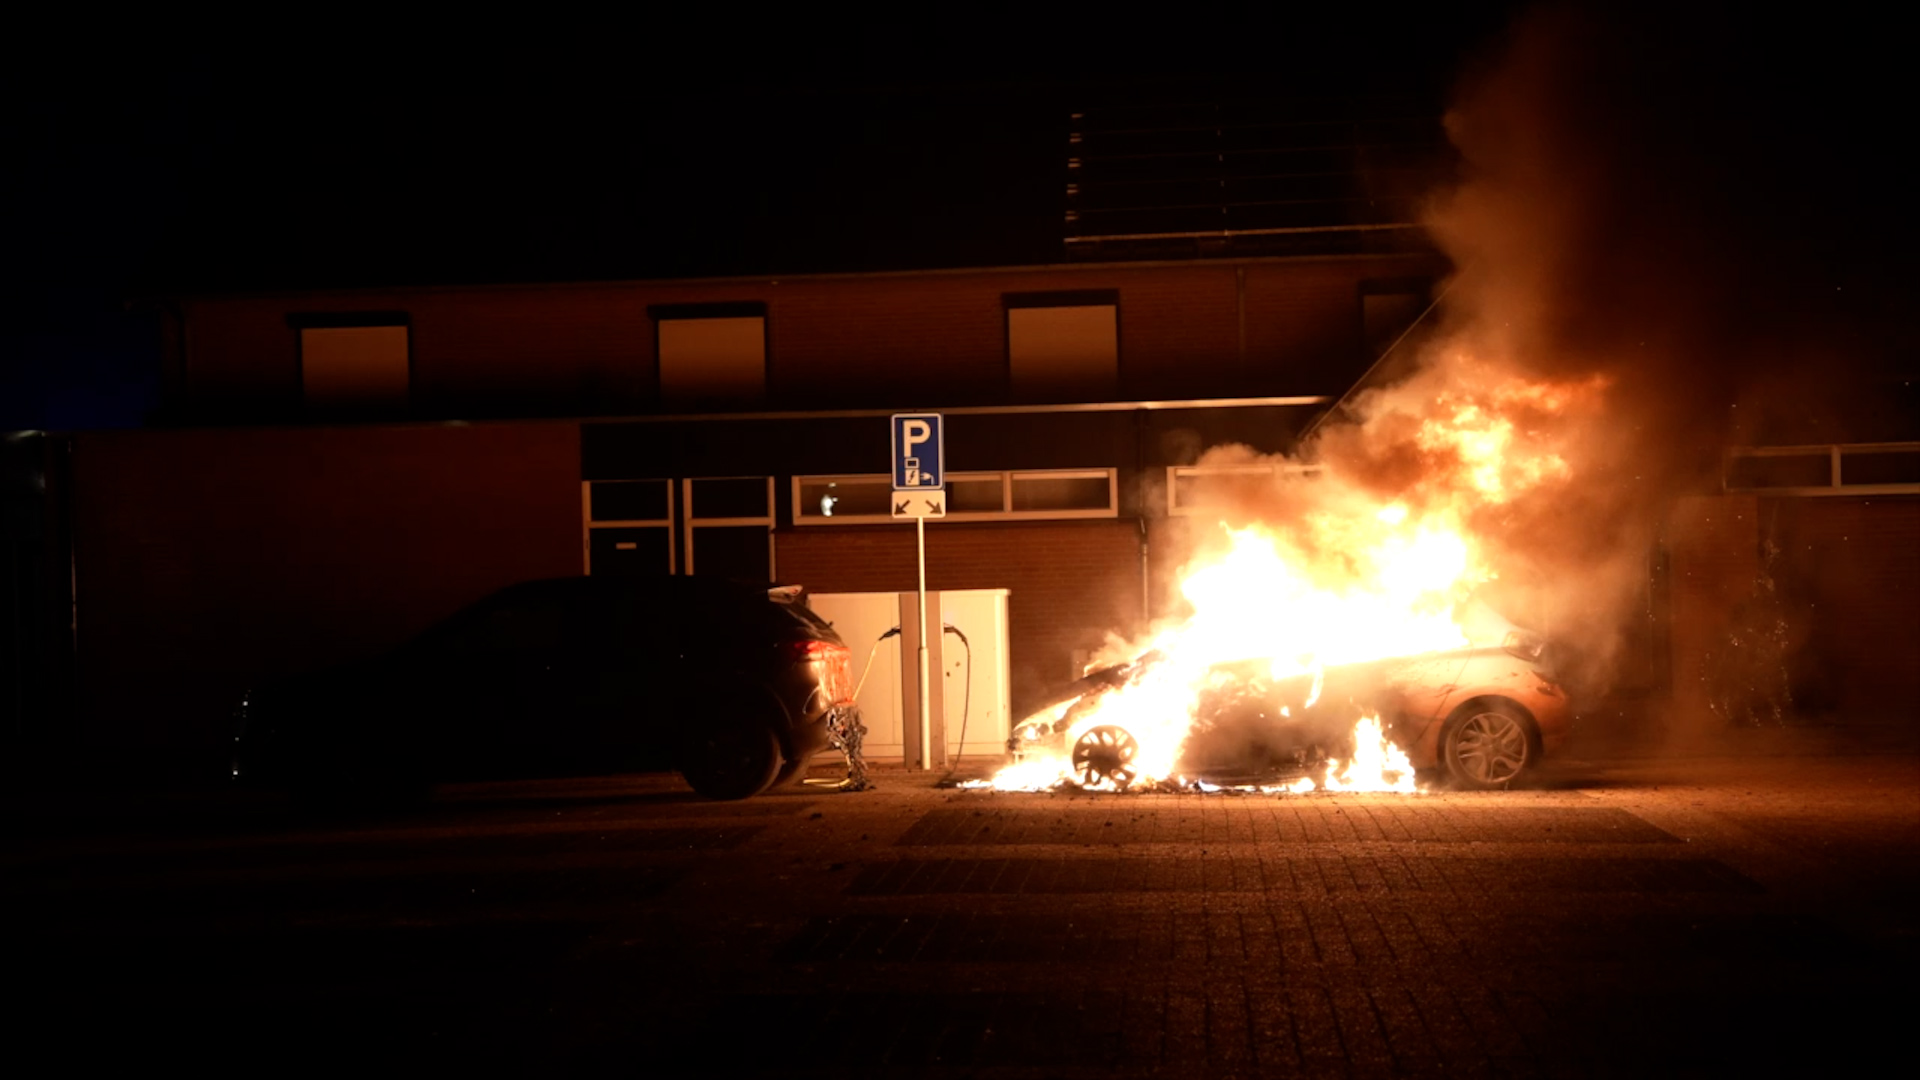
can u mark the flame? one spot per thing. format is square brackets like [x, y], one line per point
[1377, 764]
[1347, 570]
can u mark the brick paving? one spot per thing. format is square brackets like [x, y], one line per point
[1624, 926]
[1273, 820]
[1222, 873]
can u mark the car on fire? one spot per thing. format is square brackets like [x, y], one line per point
[732, 684]
[1483, 717]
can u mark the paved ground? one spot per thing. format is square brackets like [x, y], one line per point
[1634, 916]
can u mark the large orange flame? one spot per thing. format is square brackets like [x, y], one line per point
[1340, 568]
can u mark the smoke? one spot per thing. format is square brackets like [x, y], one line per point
[1652, 220]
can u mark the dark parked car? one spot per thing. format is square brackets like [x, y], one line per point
[732, 684]
[1483, 716]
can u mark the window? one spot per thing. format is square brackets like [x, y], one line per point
[729, 526]
[711, 354]
[1836, 469]
[354, 361]
[1063, 345]
[521, 628]
[726, 527]
[628, 526]
[1191, 487]
[972, 496]
[1059, 493]
[513, 624]
[838, 500]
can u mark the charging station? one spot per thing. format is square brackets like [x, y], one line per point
[972, 687]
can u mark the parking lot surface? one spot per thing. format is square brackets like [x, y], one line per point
[1632, 916]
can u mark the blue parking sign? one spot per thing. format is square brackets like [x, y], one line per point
[919, 452]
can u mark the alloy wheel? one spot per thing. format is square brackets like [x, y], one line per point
[1490, 748]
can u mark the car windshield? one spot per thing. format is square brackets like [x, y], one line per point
[720, 605]
[515, 617]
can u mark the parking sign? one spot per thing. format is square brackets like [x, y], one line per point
[919, 452]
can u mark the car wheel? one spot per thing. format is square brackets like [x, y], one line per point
[792, 773]
[732, 756]
[1488, 745]
[1104, 754]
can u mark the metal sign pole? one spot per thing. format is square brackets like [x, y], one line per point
[919, 492]
[926, 682]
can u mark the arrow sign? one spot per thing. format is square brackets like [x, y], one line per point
[919, 504]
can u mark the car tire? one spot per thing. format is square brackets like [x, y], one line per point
[731, 755]
[1489, 744]
[793, 773]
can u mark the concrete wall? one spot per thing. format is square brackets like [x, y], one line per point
[207, 560]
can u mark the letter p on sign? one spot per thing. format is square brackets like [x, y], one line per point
[918, 451]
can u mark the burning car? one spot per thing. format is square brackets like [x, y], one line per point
[1483, 715]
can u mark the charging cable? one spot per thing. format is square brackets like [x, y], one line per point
[966, 702]
[871, 653]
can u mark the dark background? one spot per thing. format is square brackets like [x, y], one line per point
[155, 159]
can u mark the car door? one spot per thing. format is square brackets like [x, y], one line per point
[487, 684]
[603, 679]
[1420, 687]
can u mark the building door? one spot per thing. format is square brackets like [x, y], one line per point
[718, 526]
[627, 527]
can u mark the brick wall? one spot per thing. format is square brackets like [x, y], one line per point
[208, 560]
[484, 350]
[1070, 582]
[1714, 560]
[1848, 581]
[834, 340]
[1309, 320]
[1850, 570]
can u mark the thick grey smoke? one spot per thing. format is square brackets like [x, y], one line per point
[1661, 211]
[1678, 206]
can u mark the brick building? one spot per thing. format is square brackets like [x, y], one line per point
[344, 467]
[334, 469]
[1798, 583]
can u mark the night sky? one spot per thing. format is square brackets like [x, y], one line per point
[149, 161]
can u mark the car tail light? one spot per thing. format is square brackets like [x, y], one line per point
[834, 663]
[1523, 645]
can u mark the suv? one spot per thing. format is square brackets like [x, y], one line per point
[732, 684]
